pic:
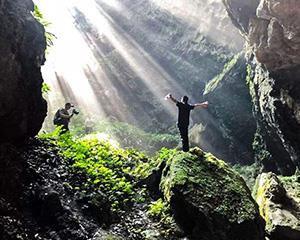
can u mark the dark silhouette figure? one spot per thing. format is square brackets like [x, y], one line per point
[62, 117]
[184, 110]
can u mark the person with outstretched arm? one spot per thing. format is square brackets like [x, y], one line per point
[184, 109]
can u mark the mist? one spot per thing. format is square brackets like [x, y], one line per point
[117, 60]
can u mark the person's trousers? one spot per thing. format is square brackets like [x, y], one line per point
[184, 134]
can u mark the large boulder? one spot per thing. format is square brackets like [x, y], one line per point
[209, 200]
[279, 208]
[22, 46]
[272, 31]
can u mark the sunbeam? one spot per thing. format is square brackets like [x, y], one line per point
[209, 17]
[149, 119]
[156, 79]
[104, 62]
[83, 32]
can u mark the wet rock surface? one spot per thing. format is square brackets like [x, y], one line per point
[275, 100]
[137, 225]
[22, 46]
[36, 200]
[271, 28]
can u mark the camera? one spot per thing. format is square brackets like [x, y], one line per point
[75, 111]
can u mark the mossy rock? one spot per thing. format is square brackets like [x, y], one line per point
[209, 200]
[279, 208]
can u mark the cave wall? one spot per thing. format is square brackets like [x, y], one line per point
[22, 46]
[228, 126]
[272, 32]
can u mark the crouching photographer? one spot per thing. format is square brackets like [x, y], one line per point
[63, 116]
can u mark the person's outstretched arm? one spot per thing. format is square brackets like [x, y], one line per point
[201, 105]
[169, 96]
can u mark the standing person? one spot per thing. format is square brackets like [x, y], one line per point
[62, 117]
[184, 109]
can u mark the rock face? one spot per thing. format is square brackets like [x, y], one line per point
[271, 28]
[36, 202]
[280, 210]
[272, 31]
[228, 126]
[209, 199]
[22, 46]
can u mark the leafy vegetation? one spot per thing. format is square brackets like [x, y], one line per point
[38, 15]
[144, 169]
[157, 208]
[160, 211]
[119, 174]
[248, 172]
[45, 88]
[129, 180]
[103, 167]
[292, 184]
[107, 168]
[127, 136]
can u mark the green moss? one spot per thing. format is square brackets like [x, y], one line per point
[210, 184]
[259, 148]
[292, 185]
[144, 169]
[278, 200]
[261, 188]
[250, 82]
[158, 209]
[213, 84]
[248, 172]
[38, 15]
[206, 181]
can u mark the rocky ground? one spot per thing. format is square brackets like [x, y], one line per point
[176, 196]
[39, 201]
